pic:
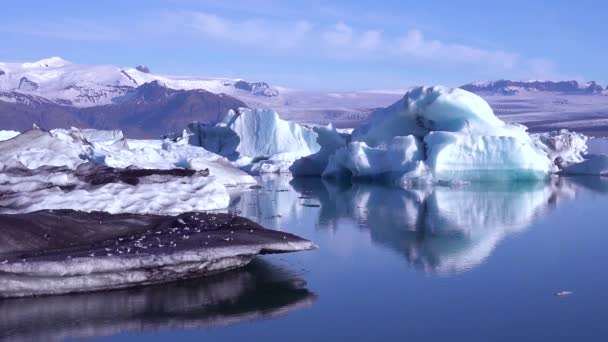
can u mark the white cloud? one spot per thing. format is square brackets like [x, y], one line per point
[339, 36]
[247, 32]
[414, 44]
[344, 41]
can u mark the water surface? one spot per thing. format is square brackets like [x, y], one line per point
[479, 262]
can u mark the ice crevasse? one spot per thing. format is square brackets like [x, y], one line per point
[440, 134]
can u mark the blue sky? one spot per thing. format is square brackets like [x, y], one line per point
[325, 45]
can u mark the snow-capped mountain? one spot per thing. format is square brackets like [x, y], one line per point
[149, 110]
[55, 81]
[508, 87]
[57, 93]
[84, 85]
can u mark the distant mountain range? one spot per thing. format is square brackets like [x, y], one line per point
[149, 110]
[508, 87]
[54, 93]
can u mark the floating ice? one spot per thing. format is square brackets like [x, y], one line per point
[562, 147]
[97, 188]
[68, 251]
[439, 134]
[399, 156]
[72, 147]
[256, 137]
[5, 135]
[330, 141]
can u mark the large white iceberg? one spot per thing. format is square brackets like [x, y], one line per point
[257, 140]
[72, 147]
[97, 188]
[440, 134]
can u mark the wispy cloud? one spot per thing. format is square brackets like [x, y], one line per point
[253, 32]
[341, 40]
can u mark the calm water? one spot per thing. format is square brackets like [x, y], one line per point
[472, 263]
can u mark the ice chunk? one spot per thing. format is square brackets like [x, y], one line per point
[255, 135]
[5, 135]
[562, 147]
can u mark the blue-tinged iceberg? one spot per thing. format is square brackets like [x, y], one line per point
[440, 134]
[257, 140]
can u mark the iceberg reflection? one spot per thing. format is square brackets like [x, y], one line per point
[438, 229]
[257, 291]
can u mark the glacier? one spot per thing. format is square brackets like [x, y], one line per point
[440, 134]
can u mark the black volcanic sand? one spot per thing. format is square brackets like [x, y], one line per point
[257, 291]
[55, 235]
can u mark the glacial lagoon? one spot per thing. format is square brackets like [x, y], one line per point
[478, 262]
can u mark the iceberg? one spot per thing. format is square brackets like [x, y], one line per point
[93, 187]
[255, 136]
[440, 134]
[72, 147]
[330, 140]
[426, 109]
[563, 148]
[69, 251]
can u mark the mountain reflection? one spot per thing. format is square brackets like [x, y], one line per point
[257, 291]
[437, 229]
